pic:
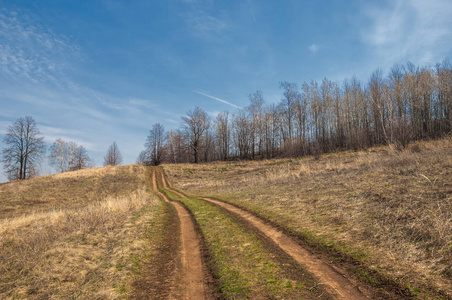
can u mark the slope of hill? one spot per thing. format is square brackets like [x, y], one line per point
[78, 235]
[381, 219]
[388, 214]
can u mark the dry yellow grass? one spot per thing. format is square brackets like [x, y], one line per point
[86, 246]
[68, 190]
[391, 210]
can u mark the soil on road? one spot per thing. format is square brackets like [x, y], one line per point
[191, 268]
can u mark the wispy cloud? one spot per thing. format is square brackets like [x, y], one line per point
[31, 52]
[252, 10]
[4, 127]
[204, 23]
[69, 135]
[36, 78]
[213, 114]
[204, 93]
[313, 48]
[34, 67]
[142, 103]
[414, 30]
[172, 121]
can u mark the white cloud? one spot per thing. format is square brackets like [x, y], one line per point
[143, 103]
[415, 30]
[34, 65]
[203, 23]
[4, 126]
[172, 121]
[213, 114]
[206, 23]
[57, 131]
[31, 52]
[204, 93]
[69, 135]
[36, 79]
[313, 48]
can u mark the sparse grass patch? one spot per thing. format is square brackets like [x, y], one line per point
[385, 208]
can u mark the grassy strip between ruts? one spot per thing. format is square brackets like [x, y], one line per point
[245, 264]
[155, 279]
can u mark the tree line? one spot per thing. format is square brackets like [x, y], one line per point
[410, 103]
[25, 150]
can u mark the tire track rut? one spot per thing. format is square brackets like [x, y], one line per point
[335, 281]
[193, 276]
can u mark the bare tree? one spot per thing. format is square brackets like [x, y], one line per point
[223, 134]
[272, 124]
[59, 155]
[155, 143]
[177, 147]
[359, 130]
[241, 133]
[301, 116]
[400, 127]
[326, 111]
[24, 149]
[68, 156]
[113, 156]
[79, 158]
[444, 97]
[315, 109]
[208, 143]
[195, 125]
[378, 106]
[291, 96]
[144, 158]
[411, 103]
[256, 111]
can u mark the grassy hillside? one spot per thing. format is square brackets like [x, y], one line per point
[389, 211]
[102, 233]
[68, 190]
[75, 235]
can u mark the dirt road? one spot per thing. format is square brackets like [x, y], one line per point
[338, 284]
[191, 267]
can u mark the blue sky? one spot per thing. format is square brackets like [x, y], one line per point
[95, 72]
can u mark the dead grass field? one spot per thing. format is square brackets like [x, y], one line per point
[75, 235]
[389, 210]
[67, 190]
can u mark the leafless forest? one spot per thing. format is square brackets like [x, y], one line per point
[409, 103]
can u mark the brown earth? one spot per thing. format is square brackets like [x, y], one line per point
[191, 271]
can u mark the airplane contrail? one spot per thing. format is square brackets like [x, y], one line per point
[201, 92]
